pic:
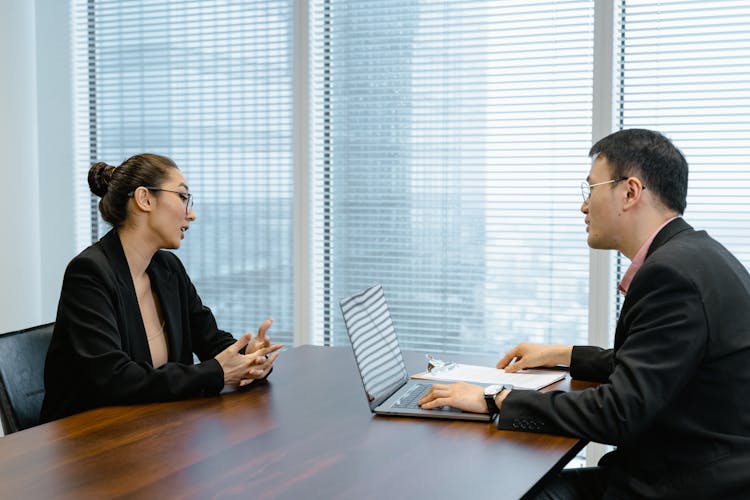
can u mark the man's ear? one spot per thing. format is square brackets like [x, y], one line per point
[634, 191]
[143, 200]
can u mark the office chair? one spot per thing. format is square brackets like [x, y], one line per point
[22, 355]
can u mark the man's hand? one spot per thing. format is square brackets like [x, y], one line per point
[460, 395]
[526, 355]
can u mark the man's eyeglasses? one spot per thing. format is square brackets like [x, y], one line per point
[586, 187]
[186, 198]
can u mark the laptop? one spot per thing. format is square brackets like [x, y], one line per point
[381, 366]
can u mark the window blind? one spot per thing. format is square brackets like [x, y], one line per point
[685, 68]
[209, 84]
[450, 140]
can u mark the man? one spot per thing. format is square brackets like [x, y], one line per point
[675, 390]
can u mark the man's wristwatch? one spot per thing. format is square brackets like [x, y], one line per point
[490, 392]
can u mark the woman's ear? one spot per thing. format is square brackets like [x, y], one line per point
[143, 200]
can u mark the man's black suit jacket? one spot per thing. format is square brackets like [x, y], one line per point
[99, 352]
[675, 392]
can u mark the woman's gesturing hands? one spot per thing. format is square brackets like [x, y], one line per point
[243, 369]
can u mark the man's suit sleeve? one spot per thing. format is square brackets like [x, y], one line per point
[591, 363]
[667, 335]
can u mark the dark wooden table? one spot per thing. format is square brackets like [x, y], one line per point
[307, 433]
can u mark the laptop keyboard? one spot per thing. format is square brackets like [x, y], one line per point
[410, 398]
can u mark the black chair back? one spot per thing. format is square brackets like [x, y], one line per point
[22, 356]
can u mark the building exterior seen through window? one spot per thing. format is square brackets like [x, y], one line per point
[448, 142]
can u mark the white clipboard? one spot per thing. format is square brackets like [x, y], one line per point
[533, 379]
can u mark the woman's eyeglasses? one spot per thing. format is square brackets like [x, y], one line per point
[187, 198]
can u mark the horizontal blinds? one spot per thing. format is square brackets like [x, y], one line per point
[84, 155]
[450, 141]
[685, 72]
[209, 84]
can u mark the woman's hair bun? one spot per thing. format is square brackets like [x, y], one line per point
[100, 174]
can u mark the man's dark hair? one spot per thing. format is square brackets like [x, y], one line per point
[650, 156]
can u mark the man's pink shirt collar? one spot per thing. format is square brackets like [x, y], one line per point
[637, 262]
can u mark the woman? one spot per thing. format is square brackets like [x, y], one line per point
[129, 318]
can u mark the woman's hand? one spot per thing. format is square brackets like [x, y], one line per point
[526, 355]
[243, 369]
[260, 341]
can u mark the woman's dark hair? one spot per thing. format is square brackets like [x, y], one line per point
[662, 167]
[114, 184]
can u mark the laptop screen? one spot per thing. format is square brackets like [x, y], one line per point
[376, 350]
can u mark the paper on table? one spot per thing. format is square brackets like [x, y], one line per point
[524, 379]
